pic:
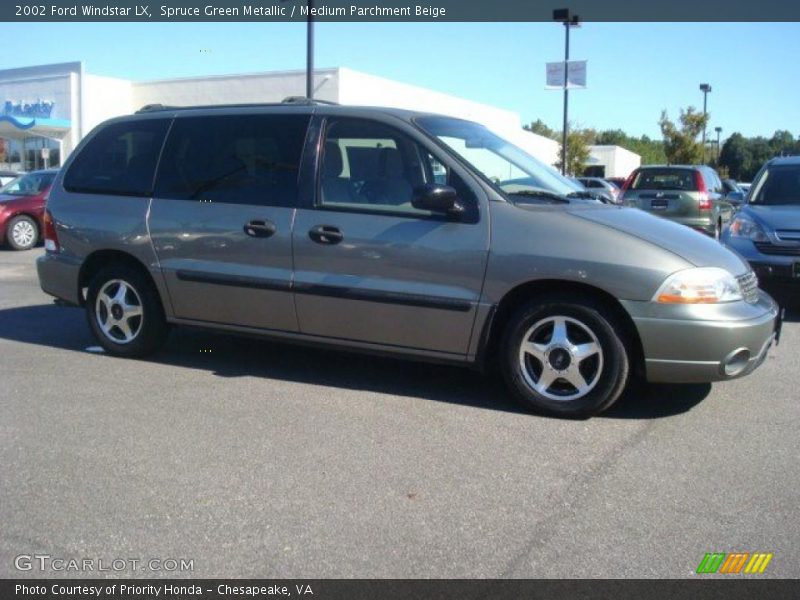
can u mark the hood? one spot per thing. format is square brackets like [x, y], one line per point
[774, 217]
[693, 246]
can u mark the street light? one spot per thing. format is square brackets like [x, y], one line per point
[705, 88]
[569, 20]
[718, 130]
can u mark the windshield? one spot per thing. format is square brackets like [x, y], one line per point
[777, 185]
[512, 170]
[28, 185]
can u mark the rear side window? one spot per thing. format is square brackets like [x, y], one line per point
[233, 159]
[120, 159]
[713, 182]
[665, 179]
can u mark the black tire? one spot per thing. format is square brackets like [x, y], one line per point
[22, 220]
[609, 369]
[151, 327]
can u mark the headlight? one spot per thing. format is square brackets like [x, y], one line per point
[706, 285]
[744, 227]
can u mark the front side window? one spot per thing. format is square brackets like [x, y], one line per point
[369, 166]
[28, 185]
[778, 184]
[512, 170]
[120, 159]
[233, 159]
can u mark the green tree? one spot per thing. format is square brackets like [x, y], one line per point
[680, 143]
[736, 156]
[782, 143]
[578, 142]
[614, 137]
[539, 127]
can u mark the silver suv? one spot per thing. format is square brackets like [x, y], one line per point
[395, 232]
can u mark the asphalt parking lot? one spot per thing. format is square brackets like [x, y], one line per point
[256, 459]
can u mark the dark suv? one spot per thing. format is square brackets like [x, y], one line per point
[690, 195]
[766, 231]
[395, 232]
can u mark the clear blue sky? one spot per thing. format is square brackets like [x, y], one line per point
[635, 69]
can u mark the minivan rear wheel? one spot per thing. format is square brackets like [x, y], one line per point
[124, 312]
[564, 355]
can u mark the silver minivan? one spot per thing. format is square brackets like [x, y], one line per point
[390, 231]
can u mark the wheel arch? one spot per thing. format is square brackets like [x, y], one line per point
[102, 258]
[528, 291]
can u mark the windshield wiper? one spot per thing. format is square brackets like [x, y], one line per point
[540, 194]
[582, 194]
[587, 195]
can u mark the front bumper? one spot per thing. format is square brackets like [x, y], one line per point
[697, 344]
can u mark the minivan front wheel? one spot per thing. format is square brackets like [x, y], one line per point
[124, 312]
[563, 355]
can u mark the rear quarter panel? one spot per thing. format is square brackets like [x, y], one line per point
[88, 223]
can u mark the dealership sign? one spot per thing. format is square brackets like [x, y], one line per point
[575, 78]
[35, 110]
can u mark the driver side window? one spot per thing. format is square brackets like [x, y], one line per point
[369, 166]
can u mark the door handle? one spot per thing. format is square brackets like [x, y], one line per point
[259, 228]
[325, 234]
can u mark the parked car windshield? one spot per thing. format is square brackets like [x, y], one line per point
[778, 184]
[28, 185]
[665, 179]
[512, 170]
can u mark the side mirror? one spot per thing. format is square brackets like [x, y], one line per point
[736, 198]
[437, 198]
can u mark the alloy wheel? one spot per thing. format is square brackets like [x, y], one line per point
[561, 358]
[119, 312]
[23, 233]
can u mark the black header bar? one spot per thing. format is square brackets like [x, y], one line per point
[397, 10]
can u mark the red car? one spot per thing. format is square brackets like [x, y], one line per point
[22, 209]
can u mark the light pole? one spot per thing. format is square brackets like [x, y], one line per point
[569, 20]
[719, 131]
[705, 88]
[309, 50]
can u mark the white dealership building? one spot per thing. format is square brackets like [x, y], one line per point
[54, 106]
[611, 161]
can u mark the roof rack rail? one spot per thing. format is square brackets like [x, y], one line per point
[305, 100]
[154, 107]
[301, 100]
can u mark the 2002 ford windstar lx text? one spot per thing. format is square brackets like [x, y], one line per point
[391, 231]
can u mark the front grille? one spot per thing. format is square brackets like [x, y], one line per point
[788, 235]
[775, 250]
[749, 285]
